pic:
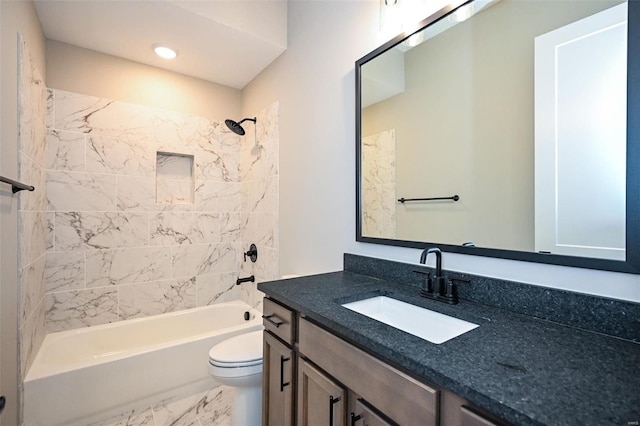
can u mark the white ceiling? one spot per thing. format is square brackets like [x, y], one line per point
[227, 42]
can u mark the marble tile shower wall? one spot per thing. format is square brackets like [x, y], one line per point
[32, 208]
[259, 221]
[116, 248]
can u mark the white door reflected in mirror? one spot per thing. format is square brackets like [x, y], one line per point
[580, 137]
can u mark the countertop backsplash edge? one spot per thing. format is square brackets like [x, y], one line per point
[612, 317]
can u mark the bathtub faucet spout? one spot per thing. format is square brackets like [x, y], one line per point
[245, 280]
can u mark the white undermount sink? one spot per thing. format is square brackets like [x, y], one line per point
[428, 325]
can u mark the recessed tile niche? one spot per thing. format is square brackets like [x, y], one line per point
[175, 181]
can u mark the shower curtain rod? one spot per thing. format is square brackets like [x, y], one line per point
[16, 186]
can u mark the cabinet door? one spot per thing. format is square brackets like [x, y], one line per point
[321, 402]
[365, 416]
[277, 383]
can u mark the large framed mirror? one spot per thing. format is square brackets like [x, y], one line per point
[506, 128]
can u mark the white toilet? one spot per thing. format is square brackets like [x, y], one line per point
[237, 362]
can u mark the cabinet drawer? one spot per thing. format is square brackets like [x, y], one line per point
[400, 397]
[279, 320]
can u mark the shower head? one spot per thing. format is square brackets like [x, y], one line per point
[236, 127]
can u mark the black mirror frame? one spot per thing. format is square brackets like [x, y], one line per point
[632, 263]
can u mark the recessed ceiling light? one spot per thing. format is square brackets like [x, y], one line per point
[164, 51]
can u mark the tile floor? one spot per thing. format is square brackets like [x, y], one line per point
[210, 407]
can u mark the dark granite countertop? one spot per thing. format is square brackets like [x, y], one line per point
[525, 370]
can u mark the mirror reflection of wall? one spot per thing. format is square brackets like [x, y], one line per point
[379, 184]
[464, 124]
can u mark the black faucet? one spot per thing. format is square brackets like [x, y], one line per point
[438, 288]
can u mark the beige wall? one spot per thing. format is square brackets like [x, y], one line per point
[79, 70]
[16, 16]
[313, 80]
[464, 125]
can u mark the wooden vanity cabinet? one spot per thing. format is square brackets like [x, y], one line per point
[279, 366]
[312, 377]
[396, 395]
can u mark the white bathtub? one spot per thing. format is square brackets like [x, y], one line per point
[81, 375]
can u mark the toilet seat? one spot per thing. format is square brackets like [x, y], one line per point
[234, 364]
[234, 372]
[237, 363]
[237, 356]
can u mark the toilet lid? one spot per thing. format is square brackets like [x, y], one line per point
[239, 350]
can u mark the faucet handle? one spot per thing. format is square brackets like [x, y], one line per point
[450, 289]
[428, 282]
[252, 253]
[450, 295]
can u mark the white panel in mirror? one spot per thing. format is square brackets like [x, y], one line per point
[581, 90]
